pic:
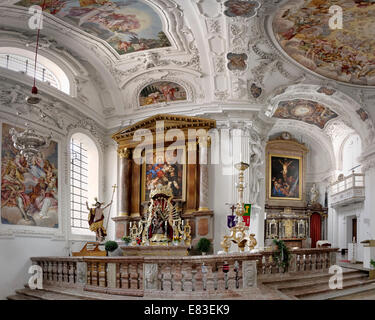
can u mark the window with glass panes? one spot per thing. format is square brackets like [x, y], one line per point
[78, 185]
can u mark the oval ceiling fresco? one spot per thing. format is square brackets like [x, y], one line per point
[307, 111]
[127, 25]
[302, 29]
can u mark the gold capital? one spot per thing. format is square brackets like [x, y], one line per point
[125, 153]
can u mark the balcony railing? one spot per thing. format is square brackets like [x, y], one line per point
[350, 189]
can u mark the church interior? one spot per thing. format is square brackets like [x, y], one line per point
[222, 149]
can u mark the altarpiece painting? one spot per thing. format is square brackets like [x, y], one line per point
[170, 171]
[285, 175]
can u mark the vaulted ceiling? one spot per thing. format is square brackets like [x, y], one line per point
[217, 57]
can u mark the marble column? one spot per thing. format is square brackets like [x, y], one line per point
[125, 181]
[203, 173]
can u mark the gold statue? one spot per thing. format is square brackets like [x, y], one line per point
[163, 223]
[96, 219]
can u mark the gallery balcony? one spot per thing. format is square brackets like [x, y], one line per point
[348, 190]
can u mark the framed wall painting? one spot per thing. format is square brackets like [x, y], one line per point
[285, 177]
[29, 191]
[166, 173]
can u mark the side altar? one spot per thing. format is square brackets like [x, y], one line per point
[161, 162]
[290, 216]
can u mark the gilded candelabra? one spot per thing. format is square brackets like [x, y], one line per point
[238, 233]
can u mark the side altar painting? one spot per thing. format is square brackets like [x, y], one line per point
[285, 175]
[29, 192]
[127, 25]
[165, 173]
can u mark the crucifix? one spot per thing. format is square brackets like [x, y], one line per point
[233, 208]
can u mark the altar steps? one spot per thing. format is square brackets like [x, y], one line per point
[59, 293]
[316, 286]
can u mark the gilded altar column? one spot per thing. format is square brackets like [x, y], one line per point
[125, 181]
[204, 143]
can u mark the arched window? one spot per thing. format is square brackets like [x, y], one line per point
[84, 180]
[21, 60]
[351, 151]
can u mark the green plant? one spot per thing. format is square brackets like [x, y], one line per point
[111, 246]
[126, 239]
[282, 256]
[373, 263]
[204, 245]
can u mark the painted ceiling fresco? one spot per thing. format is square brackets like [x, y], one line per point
[307, 111]
[348, 54]
[127, 25]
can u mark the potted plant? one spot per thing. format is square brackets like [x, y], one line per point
[204, 245]
[282, 255]
[372, 272]
[112, 249]
[127, 240]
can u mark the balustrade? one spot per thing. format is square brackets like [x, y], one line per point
[175, 275]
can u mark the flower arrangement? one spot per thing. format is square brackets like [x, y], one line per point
[282, 256]
[126, 239]
[373, 263]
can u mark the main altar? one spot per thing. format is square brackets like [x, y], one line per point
[163, 204]
[290, 215]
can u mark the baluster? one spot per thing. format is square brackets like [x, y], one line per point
[308, 262]
[140, 275]
[193, 277]
[125, 276]
[45, 270]
[303, 262]
[65, 271]
[133, 271]
[59, 271]
[220, 278]
[198, 278]
[55, 276]
[90, 273]
[75, 272]
[319, 261]
[239, 275]
[97, 270]
[210, 276]
[177, 277]
[118, 278]
[160, 276]
[103, 275]
[187, 278]
[327, 262]
[231, 276]
[313, 262]
[167, 277]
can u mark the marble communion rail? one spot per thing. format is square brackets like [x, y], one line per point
[150, 276]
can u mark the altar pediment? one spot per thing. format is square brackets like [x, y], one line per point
[124, 137]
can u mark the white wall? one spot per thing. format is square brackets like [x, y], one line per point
[15, 254]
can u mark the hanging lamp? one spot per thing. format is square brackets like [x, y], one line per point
[35, 98]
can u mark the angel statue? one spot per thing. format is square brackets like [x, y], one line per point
[96, 219]
[314, 194]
